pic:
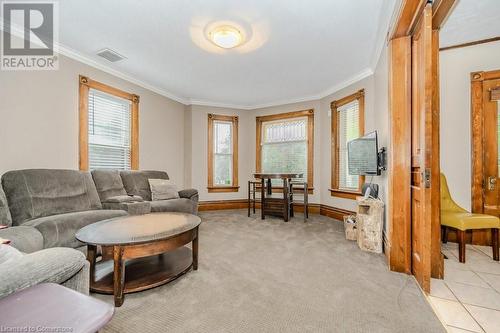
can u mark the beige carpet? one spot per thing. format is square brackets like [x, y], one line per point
[272, 276]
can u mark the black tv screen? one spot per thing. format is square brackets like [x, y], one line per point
[362, 155]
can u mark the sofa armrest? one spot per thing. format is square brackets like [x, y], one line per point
[24, 238]
[56, 265]
[189, 194]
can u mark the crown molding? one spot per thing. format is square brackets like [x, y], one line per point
[85, 59]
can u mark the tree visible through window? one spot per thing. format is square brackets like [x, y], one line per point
[222, 153]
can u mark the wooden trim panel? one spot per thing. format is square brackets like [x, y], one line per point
[399, 159]
[234, 186]
[335, 148]
[329, 211]
[85, 84]
[407, 18]
[440, 12]
[310, 140]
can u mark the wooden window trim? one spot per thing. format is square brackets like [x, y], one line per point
[334, 190]
[211, 187]
[310, 140]
[85, 84]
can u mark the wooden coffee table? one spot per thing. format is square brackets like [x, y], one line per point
[140, 252]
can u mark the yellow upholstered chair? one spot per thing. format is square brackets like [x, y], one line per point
[454, 216]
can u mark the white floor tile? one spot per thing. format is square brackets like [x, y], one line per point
[454, 314]
[467, 294]
[484, 266]
[487, 318]
[454, 264]
[452, 329]
[487, 250]
[492, 279]
[466, 277]
[441, 290]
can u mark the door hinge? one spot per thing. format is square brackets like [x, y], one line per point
[427, 178]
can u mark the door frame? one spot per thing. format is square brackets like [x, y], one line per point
[398, 247]
[479, 237]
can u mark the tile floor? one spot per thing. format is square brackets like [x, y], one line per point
[468, 299]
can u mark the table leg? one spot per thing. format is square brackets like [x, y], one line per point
[118, 275]
[286, 200]
[91, 256]
[269, 186]
[195, 251]
[262, 199]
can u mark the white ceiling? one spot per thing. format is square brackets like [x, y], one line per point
[296, 49]
[471, 20]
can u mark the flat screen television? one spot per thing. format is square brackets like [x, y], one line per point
[362, 155]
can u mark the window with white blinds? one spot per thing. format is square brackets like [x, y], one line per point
[284, 146]
[109, 131]
[223, 153]
[348, 117]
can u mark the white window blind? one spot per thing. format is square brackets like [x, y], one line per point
[109, 126]
[284, 146]
[348, 129]
[223, 153]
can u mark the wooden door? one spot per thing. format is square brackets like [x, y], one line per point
[485, 149]
[421, 150]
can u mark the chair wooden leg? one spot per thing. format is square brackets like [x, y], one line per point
[249, 199]
[444, 234]
[494, 243]
[254, 188]
[461, 245]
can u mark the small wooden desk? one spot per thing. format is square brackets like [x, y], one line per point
[276, 206]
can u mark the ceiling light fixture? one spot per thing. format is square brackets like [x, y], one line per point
[226, 37]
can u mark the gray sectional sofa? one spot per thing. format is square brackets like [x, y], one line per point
[43, 209]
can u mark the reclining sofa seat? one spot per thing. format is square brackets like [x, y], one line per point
[55, 202]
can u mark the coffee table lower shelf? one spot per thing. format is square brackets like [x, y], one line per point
[143, 273]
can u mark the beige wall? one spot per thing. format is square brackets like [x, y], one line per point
[455, 68]
[39, 120]
[199, 150]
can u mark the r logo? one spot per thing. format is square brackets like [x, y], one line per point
[37, 21]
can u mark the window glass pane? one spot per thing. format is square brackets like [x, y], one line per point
[223, 155]
[348, 129]
[223, 170]
[222, 137]
[109, 130]
[284, 147]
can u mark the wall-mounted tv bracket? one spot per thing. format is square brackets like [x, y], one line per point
[382, 159]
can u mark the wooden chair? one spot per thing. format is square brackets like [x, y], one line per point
[300, 187]
[455, 217]
[253, 189]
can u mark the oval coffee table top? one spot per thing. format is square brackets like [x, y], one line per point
[136, 229]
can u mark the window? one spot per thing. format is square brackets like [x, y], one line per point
[108, 127]
[285, 144]
[222, 153]
[347, 125]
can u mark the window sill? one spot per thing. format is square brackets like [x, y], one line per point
[220, 189]
[344, 194]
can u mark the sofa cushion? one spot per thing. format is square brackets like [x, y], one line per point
[8, 254]
[162, 189]
[137, 182]
[108, 184]
[5, 218]
[50, 265]
[123, 199]
[174, 205]
[37, 193]
[24, 238]
[60, 230]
